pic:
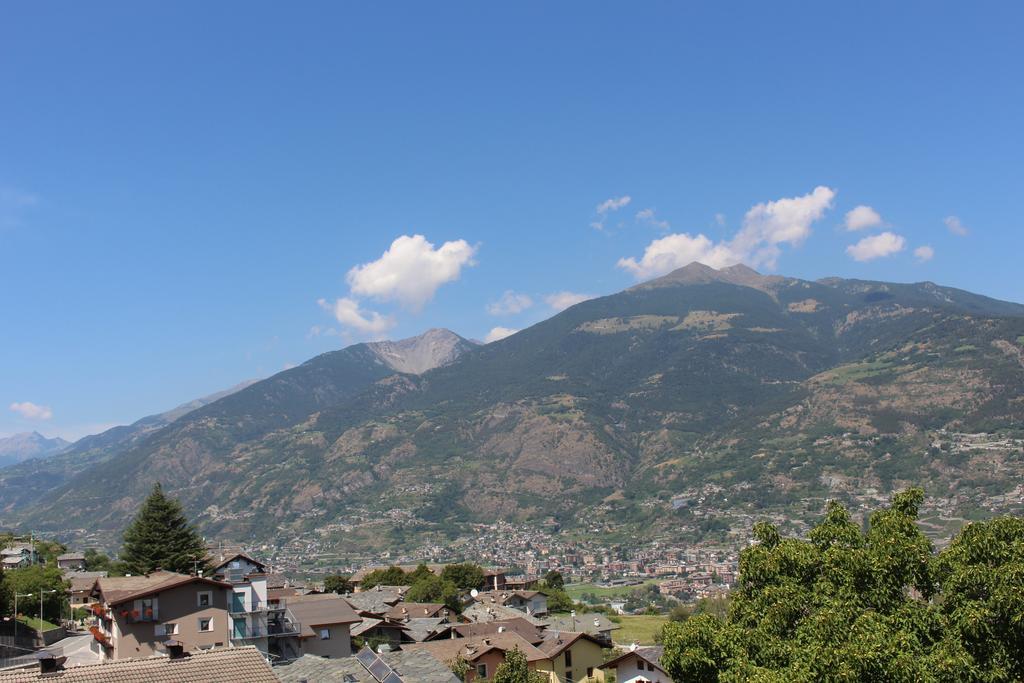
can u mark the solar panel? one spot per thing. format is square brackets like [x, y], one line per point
[379, 670]
[393, 678]
[366, 657]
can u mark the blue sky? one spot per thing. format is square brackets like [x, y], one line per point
[192, 194]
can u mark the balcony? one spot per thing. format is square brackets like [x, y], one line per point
[239, 609]
[283, 627]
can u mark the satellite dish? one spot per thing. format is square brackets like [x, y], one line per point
[474, 592]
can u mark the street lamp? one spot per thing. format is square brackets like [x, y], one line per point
[41, 593]
[16, 596]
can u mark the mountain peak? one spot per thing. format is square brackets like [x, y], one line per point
[415, 355]
[697, 273]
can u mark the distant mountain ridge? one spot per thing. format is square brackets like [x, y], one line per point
[769, 390]
[21, 480]
[27, 445]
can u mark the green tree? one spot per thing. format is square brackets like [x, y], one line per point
[422, 571]
[390, 576]
[466, 576]
[161, 537]
[850, 605]
[553, 579]
[982, 577]
[515, 669]
[433, 588]
[337, 583]
[33, 579]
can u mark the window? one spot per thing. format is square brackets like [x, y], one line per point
[325, 634]
[568, 659]
[590, 672]
[204, 598]
[568, 675]
[650, 666]
[481, 670]
[206, 624]
[168, 629]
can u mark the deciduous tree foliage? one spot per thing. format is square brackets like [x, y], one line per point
[846, 605]
[337, 583]
[466, 576]
[515, 669]
[433, 588]
[161, 537]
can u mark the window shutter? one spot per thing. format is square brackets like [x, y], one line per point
[158, 630]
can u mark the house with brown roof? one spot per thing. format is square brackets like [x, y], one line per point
[324, 622]
[639, 665]
[485, 654]
[531, 632]
[133, 614]
[223, 665]
[233, 564]
[71, 561]
[576, 657]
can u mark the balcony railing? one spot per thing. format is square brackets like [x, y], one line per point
[258, 607]
[284, 627]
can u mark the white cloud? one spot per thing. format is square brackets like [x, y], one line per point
[720, 219]
[347, 312]
[876, 246]
[675, 251]
[609, 206]
[862, 217]
[956, 226]
[766, 226]
[31, 411]
[411, 270]
[613, 204]
[924, 253]
[563, 300]
[648, 216]
[497, 333]
[510, 303]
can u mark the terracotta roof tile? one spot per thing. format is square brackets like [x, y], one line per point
[220, 665]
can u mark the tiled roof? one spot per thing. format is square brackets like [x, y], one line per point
[220, 665]
[531, 632]
[472, 649]
[120, 589]
[651, 654]
[478, 611]
[412, 667]
[556, 642]
[71, 556]
[321, 610]
[411, 610]
[374, 601]
[582, 622]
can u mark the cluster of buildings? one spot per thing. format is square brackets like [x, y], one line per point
[173, 626]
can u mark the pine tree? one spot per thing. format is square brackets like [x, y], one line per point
[161, 537]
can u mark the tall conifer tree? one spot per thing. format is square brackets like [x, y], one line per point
[161, 537]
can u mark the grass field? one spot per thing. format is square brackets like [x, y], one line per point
[641, 628]
[33, 623]
[575, 590]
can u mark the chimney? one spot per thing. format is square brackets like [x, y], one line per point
[49, 663]
[175, 649]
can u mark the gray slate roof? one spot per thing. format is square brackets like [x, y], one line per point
[413, 667]
[582, 622]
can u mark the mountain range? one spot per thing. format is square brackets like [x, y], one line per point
[27, 445]
[635, 413]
